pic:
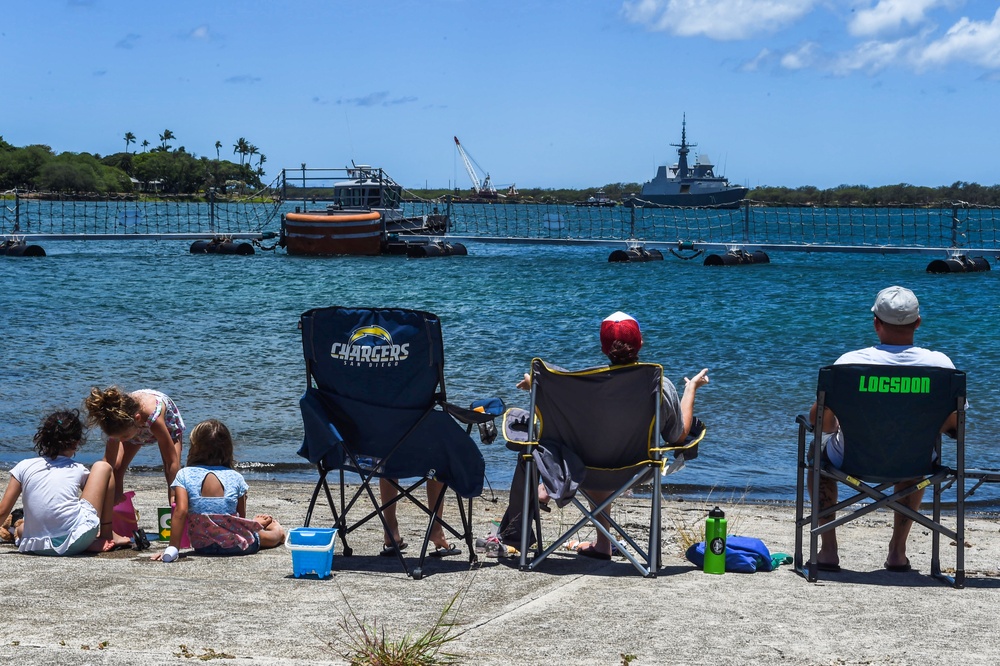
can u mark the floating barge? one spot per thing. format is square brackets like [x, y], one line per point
[364, 215]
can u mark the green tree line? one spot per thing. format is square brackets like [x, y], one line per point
[161, 169]
[842, 195]
[902, 194]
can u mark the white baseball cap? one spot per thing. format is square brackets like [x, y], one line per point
[897, 305]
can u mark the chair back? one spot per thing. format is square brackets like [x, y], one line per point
[377, 356]
[375, 380]
[891, 415]
[608, 416]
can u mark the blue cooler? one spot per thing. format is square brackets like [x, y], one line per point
[312, 550]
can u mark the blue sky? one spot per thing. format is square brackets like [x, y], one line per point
[563, 93]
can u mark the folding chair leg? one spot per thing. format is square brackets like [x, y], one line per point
[529, 510]
[338, 522]
[800, 491]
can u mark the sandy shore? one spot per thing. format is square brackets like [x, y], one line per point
[122, 608]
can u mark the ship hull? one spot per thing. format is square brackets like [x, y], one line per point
[727, 198]
[318, 234]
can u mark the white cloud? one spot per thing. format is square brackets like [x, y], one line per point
[891, 16]
[716, 19]
[976, 42]
[806, 56]
[873, 56]
[201, 33]
[877, 35]
[758, 62]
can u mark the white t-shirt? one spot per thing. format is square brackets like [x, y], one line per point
[882, 355]
[896, 355]
[51, 499]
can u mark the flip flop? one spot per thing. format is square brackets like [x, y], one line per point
[389, 550]
[899, 568]
[825, 566]
[445, 551]
[593, 554]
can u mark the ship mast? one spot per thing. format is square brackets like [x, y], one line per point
[683, 148]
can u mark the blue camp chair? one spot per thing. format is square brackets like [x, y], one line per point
[375, 406]
[891, 418]
[607, 419]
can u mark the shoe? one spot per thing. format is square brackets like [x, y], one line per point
[825, 566]
[899, 568]
[390, 550]
[593, 554]
[445, 551]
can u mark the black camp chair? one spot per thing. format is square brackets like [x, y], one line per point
[609, 418]
[375, 405]
[891, 418]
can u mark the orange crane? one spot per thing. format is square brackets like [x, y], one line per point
[480, 189]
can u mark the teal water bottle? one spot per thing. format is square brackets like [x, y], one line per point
[715, 542]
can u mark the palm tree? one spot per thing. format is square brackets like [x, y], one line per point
[166, 136]
[129, 138]
[241, 147]
[145, 144]
[251, 151]
[218, 147]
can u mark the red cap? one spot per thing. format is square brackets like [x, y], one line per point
[620, 326]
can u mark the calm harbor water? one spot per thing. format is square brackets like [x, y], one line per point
[219, 334]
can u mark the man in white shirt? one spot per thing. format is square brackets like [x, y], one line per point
[896, 319]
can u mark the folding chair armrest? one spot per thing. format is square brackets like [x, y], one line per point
[689, 448]
[516, 426]
[803, 421]
[985, 476]
[467, 416]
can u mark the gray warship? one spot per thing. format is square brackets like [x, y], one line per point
[680, 185]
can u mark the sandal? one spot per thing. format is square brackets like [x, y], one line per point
[445, 551]
[390, 550]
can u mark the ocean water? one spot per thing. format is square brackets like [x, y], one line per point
[219, 335]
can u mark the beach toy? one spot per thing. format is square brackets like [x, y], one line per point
[715, 542]
[312, 550]
[165, 515]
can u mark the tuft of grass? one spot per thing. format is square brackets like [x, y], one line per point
[365, 643]
[627, 659]
[690, 525]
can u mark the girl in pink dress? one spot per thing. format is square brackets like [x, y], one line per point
[211, 497]
[133, 420]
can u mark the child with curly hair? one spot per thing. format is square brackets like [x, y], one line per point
[211, 497]
[59, 519]
[133, 420]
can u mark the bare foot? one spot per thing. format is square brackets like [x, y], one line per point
[105, 545]
[263, 519]
[440, 540]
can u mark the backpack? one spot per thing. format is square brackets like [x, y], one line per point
[743, 555]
